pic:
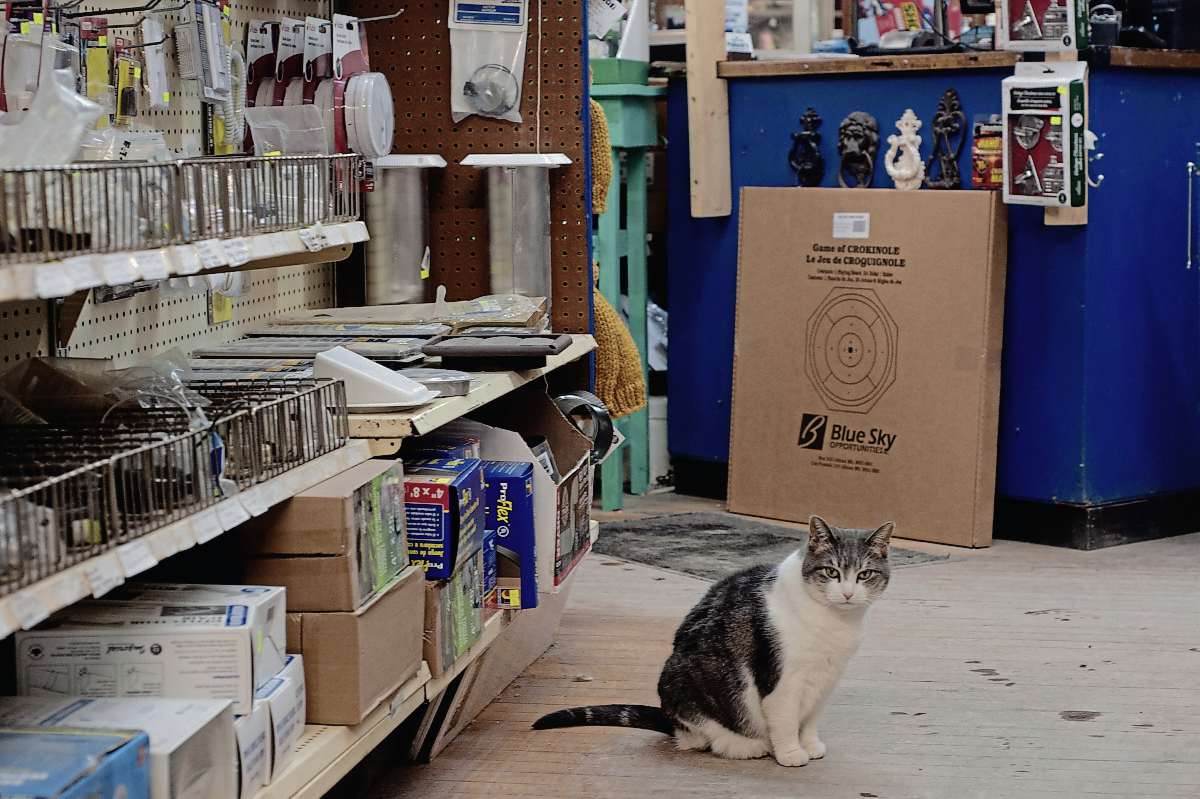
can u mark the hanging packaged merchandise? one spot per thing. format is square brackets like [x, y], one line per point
[127, 67]
[154, 53]
[1042, 25]
[364, 118]
[487, 58]
[1045, 119]
[289, 63]
[97, 68]
[262, 40]
[318, 54]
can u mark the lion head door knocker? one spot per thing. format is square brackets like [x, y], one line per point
[949, 134]
[858, 144]
[903, 157]
[805, 157]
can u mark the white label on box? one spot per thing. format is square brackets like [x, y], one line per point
[237, 251]
[603, 16]
[503, 16]
[103, 574]
[313, 238]
[231, 513]
[739, 43]
[206, 526]
[212, 254]
[851, 226]
[29, 608]
[52, 280]
[136, 558]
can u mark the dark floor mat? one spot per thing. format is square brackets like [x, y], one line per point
[712, 545]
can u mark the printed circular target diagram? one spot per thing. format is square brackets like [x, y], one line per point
[851, 353]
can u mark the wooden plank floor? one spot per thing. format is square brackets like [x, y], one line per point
[1017, 672]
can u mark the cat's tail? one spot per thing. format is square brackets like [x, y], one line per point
[642, 717]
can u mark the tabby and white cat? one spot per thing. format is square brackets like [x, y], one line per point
[755, 660]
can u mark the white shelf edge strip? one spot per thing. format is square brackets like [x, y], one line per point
[98, 575]
[54, 279]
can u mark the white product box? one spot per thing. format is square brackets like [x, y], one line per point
[193, 752]
[106, 649]
[254, 749]
[266, 607]
[284, 699]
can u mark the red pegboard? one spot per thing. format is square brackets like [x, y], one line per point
[414, 52]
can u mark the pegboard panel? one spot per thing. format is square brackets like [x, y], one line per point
[414, 52]
[142, 326]
[24, 332]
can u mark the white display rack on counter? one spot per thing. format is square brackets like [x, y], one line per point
[79, 226]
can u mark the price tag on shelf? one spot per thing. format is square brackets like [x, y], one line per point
[314, 238]
[52, 281]
[237, 252]
[103, 574]
[8, 285]
[184, 535]
[152, 265]
[275, 492]
[187, 260]
[69, 587]
[8, 625]
[254, 501]
[212, 254]
[82, 269]
[29, 608]
[206, 526]
[117, 270]
[231, 513]
[136, 557]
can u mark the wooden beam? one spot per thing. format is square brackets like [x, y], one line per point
[891, 63]
[708, 110]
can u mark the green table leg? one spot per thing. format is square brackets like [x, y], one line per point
[639, 423]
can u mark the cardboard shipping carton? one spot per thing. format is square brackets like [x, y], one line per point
[160, 645]
[64, 763]
[355, 660]
[443, 505]
[193, 751]
[336, 544]
[454, 614]
[867, 359]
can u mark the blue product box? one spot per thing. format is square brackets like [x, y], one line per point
[509, 513]
[447, 445]
[64, 763]
[443, 506]
[490, 599]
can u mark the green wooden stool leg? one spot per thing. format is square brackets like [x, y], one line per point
[639, 423]
[612, 472]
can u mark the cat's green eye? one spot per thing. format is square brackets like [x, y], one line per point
[867, 574]
[831, 573]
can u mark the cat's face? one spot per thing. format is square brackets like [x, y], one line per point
[846, 569]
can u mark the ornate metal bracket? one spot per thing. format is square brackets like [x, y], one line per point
[949, 136]
[805, 156]
[858, 144]
[903, 158]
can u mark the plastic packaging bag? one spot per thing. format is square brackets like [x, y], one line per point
[487, 59]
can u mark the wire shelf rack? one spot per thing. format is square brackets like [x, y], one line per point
[70, 492]
[49, 213]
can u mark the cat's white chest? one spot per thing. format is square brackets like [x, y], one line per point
[815, 645]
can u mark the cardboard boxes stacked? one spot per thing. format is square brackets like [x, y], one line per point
[355, 607]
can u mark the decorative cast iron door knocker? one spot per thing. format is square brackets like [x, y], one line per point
[903, 157]
[858, 144]
[949, 134]
[805, 156]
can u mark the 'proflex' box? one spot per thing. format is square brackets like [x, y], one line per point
[443, 506]
[193, 752]
[508, 514]
[175, 648]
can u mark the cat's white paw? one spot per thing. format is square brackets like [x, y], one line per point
[689, 740]
[738, 747]
[815, 748]
[792, 757]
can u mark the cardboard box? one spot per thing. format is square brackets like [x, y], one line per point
[355, 660]
[265, 607]
[454, 615]
[562, 503]
[867, 365]
[509, 517]
[336, 544]
[62, 763]
[253, 733]
[443, 504]
[283, 697]
[178, 648]
[193, 752]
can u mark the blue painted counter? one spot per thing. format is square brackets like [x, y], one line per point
[1101, 391]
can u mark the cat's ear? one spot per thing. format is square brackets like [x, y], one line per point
[820, 537]
[877, 542]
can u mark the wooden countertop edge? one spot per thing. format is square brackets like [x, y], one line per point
[842, 66]
[1153, 59]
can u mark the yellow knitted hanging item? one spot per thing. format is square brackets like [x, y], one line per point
[602, 170]
[619, 379]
